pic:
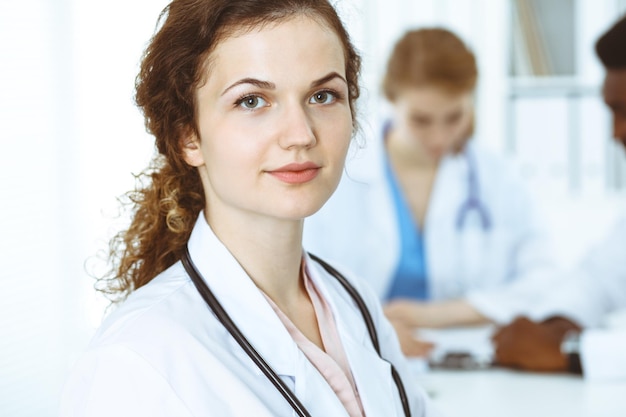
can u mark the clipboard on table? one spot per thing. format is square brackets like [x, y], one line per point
[460, 348]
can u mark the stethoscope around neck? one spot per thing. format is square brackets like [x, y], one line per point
[473, 200]
[259, 361]
[473, 224]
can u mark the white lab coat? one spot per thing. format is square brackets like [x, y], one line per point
[595, 288]
[163, 353]
[357, 229]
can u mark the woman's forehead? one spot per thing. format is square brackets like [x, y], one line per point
[286, 48]
[241, 29]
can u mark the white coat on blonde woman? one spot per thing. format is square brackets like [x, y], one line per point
[358, 229]
[178, 360]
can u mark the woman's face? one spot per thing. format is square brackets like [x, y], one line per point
[274, 121]
[432, 121]
[614, 93]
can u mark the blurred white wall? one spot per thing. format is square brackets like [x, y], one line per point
[36, 134]
[72, 138]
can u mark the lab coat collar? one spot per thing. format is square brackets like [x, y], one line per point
[242, 300]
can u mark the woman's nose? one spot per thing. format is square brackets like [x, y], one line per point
[439, 135]
[297, 128]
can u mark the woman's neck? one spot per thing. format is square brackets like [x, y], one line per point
[415, 173]
[269, 250]
[407, 154]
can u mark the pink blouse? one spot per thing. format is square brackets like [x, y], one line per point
[332, 364]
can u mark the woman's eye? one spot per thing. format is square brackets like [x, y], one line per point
[323, 97]
[251, 102]
[420, 121]
[453, 119]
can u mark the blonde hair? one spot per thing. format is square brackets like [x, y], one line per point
[432, 56]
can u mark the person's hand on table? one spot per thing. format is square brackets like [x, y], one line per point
[533, 346]
[411, 346]
[434, 314]
[408, 312]
[405, 316]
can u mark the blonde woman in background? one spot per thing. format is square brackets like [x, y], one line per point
[444, 230]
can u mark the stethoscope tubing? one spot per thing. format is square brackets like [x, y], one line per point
[473, 201]
[234, 331]
[223, 317]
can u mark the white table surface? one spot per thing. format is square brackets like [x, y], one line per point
[507, 393]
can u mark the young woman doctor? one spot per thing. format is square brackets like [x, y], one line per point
[252, 107]
[435, 223]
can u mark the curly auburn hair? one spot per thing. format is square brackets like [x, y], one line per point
[169, 195]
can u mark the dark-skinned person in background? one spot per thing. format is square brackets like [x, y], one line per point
[573, 339]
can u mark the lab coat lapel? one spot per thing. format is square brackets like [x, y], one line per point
[371, 374]
[316, 394]
[242, 300]
[372, 377]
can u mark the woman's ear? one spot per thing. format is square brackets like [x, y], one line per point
[192, 152]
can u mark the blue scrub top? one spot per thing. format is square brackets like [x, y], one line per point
[409, 280]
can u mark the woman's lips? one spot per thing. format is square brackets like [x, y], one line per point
[296, 173]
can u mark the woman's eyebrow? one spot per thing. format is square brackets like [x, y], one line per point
[253, 81]
[271, 86]
[327, 78]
